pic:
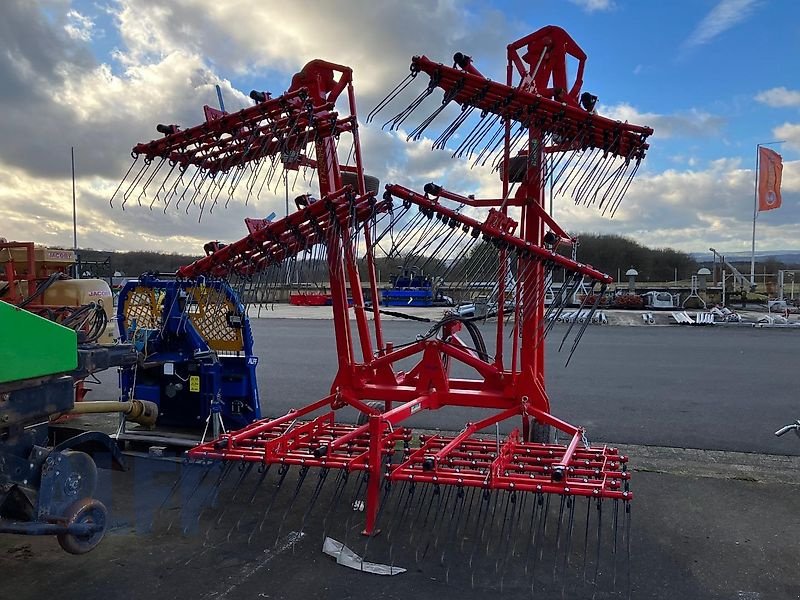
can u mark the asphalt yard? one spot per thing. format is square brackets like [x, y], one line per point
[714, 513]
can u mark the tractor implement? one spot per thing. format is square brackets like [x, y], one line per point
[508, 507]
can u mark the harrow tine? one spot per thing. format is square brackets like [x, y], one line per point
[201, 479]
[245, 469]
[212, 493]
[301, 477]
[434, 525]
[398, 89]
[586, 536]
[444, 137]
[568, 544]
[322, 478]
[341, 483]
[282, 472]
[127, 193]
[415, 103]
[628, 548]
[128, 172]
[599, 541]
[263, 470]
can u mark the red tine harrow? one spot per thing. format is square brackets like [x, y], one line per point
[536, 130]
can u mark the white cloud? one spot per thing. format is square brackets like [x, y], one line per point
[172, 54]
[79, 27]
[790, 133]
[779, 97]
[691, 210]
[691, 123]
[724, 15]
[594, 5]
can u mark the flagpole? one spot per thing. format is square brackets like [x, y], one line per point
[755, 212]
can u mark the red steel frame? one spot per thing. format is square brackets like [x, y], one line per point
[511, 390]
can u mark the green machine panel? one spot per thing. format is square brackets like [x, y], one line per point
[31, 346]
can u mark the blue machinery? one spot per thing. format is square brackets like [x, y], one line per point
[195, 352]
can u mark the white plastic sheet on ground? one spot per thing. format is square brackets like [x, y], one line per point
[345, 556]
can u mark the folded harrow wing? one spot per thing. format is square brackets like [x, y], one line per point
[536, 130]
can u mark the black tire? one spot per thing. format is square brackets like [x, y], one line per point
[541, 433]
[372, 184]
[363, 418]
[87, 510]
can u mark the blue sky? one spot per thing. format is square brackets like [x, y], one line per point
[712, 77]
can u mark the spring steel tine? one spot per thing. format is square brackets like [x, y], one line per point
[586, 536]
[625, 188]
[532, 530]
[586, 174]
[173, 191]
[478, 134]
[477, 141]
[587, 322]
[511, 503]
[143, 193]
[244, 469]
[602, 184]
[561, 505]
[200, 481]
[354, 503]
[506, 506]
[342, 481]
[473, 132]
[566, 168]
[608, 184]
[398, 518]
[398, 119]
[119, 187]
[282, 472]
[301, 477]
[573, 321]
[560, 301]
[568, 544]
[403, 497]
[599, 539]
[585, 183]
[439, 519]
[263, 470]
[458, 507]
[127, 193]
[441, 141]
[517, 529]
[498, 137]
[178, 483]
[575, 170]
[614, 528]
[213, 490]
[186, 188]
[486, 500]
[628, 547]
[540, 536]
[162, 187]
[448, 97]
[601, 180]
[387, 490]
[391, 96]
[420, 239]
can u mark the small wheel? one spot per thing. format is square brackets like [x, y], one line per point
[363, 418]
[87, 510]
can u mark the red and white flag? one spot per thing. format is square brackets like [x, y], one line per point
[770, 170]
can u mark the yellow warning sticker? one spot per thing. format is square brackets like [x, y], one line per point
[194, 383]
